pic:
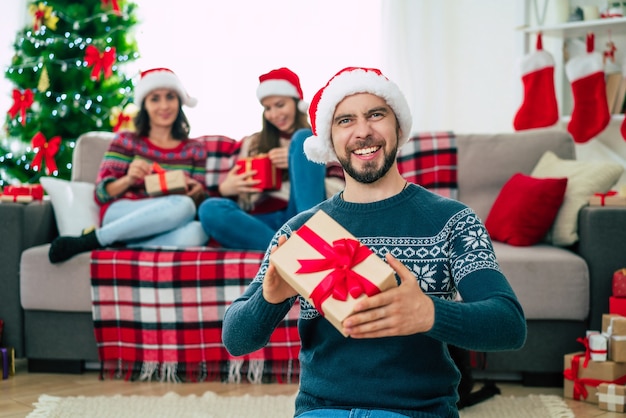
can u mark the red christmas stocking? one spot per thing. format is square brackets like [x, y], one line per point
[591, 110]
[623, 128]
[539, 108]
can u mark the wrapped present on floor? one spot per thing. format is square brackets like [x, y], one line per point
[611, 397]
[165, 182]
[617, 305]
[582, 376]
[22, 194]
[270, 176]
[614, 327]
[611, 198]
[313, 262]
[7, 362]
[619, 283]
[598, 346]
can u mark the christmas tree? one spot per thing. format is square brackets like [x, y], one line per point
[68, 76]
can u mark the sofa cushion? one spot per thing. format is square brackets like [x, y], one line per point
[73, 202]
[550, 282]
[583, 180]
[525, 209]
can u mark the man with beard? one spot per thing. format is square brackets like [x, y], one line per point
[395, 361]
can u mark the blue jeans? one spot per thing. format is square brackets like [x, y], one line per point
[353, 413]
[224, 221]
[167, 221]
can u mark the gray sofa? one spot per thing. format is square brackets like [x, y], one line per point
[564, 291]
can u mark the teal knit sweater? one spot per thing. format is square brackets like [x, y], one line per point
[448, 249]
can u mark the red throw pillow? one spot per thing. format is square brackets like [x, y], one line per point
[525, 209]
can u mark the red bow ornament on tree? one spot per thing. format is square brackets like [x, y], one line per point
[47, 151]
[22, 101]
[42, 15]
[114, 5]
[100, 61]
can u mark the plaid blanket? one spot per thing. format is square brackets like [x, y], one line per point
[429, 159]
[158, 315]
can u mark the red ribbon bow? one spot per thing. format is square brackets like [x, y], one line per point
[47, 151]
[341, 257]
[114, 5]
[21, 102]
[161, 172]
[101, 61]
[121, 120]
[580, 383]
[603, 196]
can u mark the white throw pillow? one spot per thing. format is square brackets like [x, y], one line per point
[583, 180]
[73, 202]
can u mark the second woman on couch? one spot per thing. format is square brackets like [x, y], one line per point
[246, 217]
[128, 216]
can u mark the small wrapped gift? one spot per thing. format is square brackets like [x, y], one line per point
[330, 268]
[611, 198]
[598, 346]
[614, 327]
[34, 191]
[611, 397]
[16, 198]
[270, 176]
[617, 305]
[7, 362]
[582, 378]
[619, 283]
[165, 182]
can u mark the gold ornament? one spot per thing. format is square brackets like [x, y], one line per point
[44, 80]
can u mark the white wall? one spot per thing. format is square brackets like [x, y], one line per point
[12, 19]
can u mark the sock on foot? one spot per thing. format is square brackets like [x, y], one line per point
[64, 248]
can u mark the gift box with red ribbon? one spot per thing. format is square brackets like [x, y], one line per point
[582, 376]
[22, 194]
[269, 175]
[164, 182]
[611, 397]
[330, 268]
[611, 198]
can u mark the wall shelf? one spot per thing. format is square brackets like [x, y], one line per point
[617, 25]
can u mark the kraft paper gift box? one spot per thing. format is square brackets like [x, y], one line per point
[270, 176]
[611, 397]
[165, 182]
[614, 327]
[611, 198]
[581, 383]
[311, 260]
[16, 198]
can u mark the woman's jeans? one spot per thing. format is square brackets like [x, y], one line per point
[354, 413]
[167, 221]
[224, 221]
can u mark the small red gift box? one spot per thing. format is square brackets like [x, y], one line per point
[313, 262]
[619, 283]
[165, 182]
[617, 305]
[269, 175]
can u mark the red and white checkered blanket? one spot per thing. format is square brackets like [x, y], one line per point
[158, 315]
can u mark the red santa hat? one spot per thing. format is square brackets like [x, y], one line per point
[352, 80]
[161, 78]
[281, 82]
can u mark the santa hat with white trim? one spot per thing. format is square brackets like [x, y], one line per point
[161, 78]
[352, 80]
[281, 82]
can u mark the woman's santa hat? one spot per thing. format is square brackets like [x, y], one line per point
[352, 80]
[161, 78]
[281, 82]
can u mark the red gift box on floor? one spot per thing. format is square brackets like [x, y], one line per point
[617, 305]
[270, 176]
[313, 262]
[619, 283]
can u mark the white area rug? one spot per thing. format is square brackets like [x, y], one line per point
[211, 405]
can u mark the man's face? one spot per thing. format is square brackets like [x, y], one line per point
[364, 134]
